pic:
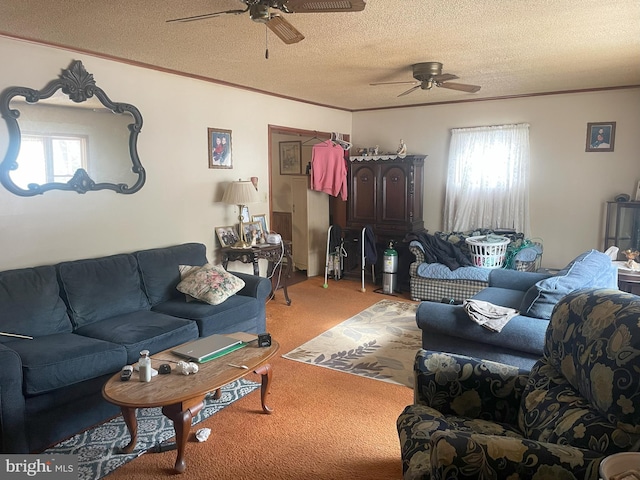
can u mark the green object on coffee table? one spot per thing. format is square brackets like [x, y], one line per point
[232, 348]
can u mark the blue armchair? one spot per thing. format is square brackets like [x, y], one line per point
[580, 402]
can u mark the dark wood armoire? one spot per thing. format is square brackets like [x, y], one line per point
[386, 192]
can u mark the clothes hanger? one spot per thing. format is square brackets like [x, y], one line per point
[337, 139]
[314, 138]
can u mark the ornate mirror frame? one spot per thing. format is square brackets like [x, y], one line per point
[79, 86]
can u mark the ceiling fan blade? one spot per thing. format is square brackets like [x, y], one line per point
[445, 77]
[461, 87]
[321, 6]
[393, 83]
[207, 15]
[409, 91]
[284, 30]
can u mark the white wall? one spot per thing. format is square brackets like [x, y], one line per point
[568, 186]
[179, 202]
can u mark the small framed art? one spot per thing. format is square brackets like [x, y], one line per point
[262, 220]
[245, 214]
[253, 233]
[290, 158]
[227, 236]
[600, 136]
[219, 148]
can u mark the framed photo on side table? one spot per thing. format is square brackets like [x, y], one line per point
[290, 158]
[600, 136]
[253, 233]
[227, 236]
[262, 220]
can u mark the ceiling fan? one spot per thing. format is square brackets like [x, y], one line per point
[428, 75]
[260, 11]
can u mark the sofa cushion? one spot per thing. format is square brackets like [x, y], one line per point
[238, 313]
[211, 284]
[31, 303]
[142, 330]
[101, 288]
[521, 334]
[159, 269]
[503, 297]
[592, 269]
[55, 361]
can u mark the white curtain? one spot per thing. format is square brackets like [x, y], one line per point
[488, 178]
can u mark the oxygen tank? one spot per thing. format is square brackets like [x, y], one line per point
[390, 270]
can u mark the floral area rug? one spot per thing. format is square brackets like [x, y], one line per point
[96, 448]
[380, 342]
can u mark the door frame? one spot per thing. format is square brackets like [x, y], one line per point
[337, 208]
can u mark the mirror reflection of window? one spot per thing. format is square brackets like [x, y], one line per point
[49, 158]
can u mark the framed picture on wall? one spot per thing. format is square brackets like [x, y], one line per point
[600, 136]
[290, 158]
[219, 148]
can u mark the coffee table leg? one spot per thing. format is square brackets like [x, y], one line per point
[265, 371]
[181, 414]
[129, 415]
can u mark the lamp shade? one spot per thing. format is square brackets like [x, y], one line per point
[240, 193]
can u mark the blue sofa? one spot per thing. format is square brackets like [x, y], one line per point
[447, 328]
[88, 318]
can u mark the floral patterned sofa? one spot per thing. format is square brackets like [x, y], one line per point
[580, 402]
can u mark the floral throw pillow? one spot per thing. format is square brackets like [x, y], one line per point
[211, 284]
[185, 271]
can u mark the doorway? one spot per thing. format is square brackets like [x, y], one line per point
[298, 214]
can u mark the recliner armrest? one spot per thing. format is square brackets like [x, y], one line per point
[514, 279]
[469, 387]
[12, 406]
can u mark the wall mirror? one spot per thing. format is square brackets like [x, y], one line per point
[69, 136]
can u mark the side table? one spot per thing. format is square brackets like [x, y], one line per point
[628, 280]
[274, 254]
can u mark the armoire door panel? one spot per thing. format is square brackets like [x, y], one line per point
[364, 193]
[394, 195]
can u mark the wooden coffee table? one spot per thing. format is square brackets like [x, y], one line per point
[182, 396]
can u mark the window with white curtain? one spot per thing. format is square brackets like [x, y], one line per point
[488, 178]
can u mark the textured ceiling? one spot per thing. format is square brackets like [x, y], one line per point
[509, 47]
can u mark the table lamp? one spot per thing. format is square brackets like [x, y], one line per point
[241, 193]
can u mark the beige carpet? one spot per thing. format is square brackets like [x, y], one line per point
[380, 343]
[326, 424]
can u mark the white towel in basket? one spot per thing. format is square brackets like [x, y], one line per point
[490, 316]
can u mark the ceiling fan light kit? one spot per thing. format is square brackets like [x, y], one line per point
[260, 11]
[428, 75]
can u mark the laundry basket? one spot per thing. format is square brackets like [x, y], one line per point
[488, 251]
